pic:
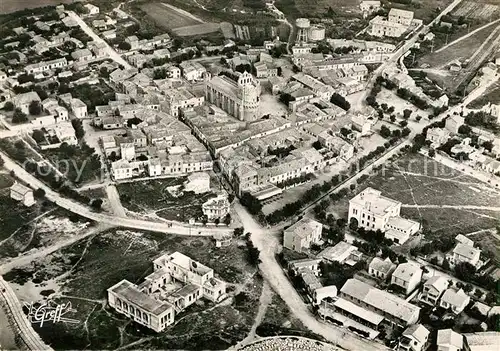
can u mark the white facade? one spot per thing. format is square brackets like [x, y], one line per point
[217, 207]
[302, 234]
[155, 302]
[22, 194]
[373, 211]
[407, 276]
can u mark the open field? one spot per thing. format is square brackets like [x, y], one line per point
[82, 272]
[197, 29]
[7, 6]
[423, 185]
[167, 17]
[461, 50]
[153, 197]
[492, 95]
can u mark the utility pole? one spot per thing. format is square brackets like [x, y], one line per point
[432, 46]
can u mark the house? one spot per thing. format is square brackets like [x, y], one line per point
[216, 208]
[320, 294]
[305, 264]
[464, 253]
[453, 123]
[369, 6]
[192, 71]
[82, 55]
[23, 101]
[454, 300]
[449, 340]
[407, 276]
[381, 268]
[414, 338]
[429, 36]
[22, 193]
[176, 283]
[45, 66]
[462, 239]
[78, 108]
[372, 211]
[122, 169]
[92, 9]
[394, 310]
[401, 16]
[437, 136]
[483, 341]
[339, 253]
[433, 289]
[299, 236]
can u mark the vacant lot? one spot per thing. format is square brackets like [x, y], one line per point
[423, 185]
[489, 241]
[84, 271]
[492, 95]
[167, 17]
[153, 198]
[197, 29]
[463, 49]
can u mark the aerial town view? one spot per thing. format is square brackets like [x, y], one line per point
[255, 175]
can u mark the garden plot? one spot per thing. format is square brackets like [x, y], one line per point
[476, 10]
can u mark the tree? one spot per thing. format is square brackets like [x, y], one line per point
[78, 127]
[464, 129]
[385, 132]
[445, 265]
[418, 118]
[465, 271]
[403, 123]
[353, 224]
[468, 288]
[392, 118]
[124, 46]
[340, 101]
[39, 193]
[251, 203]
[38, 135]
[405, 132]
[96, 204]
[35, 108]
[227, 219]
[432, 153]
[8, 106]
[19, 116]
[407, 113]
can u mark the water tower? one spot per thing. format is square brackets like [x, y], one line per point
[303, 25]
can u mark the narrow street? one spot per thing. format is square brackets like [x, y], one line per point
[110, 51]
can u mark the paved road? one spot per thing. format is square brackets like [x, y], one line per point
[114, 201]
[169, 227]
[268, 244]
[401, 51]
[110, 51]
[28, 334]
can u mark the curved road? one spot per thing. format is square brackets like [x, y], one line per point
[268, 244]
[170, 227]
[28, 334]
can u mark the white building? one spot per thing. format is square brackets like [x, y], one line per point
[453, 123]
[78, 108]
[454, 300]
[449, 340]
[464, 253]
[299, 236]
[407, 276]
[45, 66]
[388, 307]
[437, 136]
[155, 302]
[92, 9]
[216, 208]
[339, 253]
[22, 193]
[414, 338]
[382, 269]
[372, 211]
[122, 169]
[193, 71]
[434, 288]
[369, 6]
[23, 101]
[401, 16]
